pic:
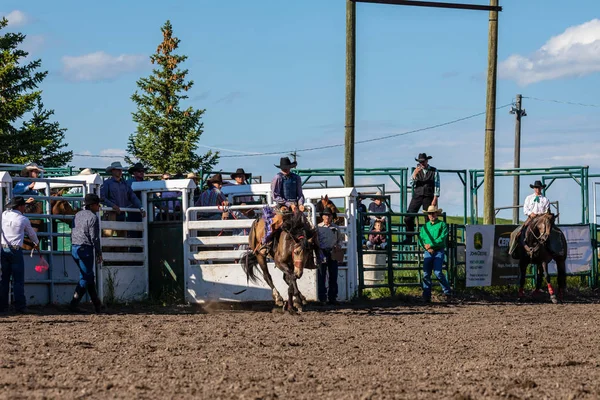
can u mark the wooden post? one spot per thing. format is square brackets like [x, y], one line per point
[350, 92]
[490, 120]
[516, 179]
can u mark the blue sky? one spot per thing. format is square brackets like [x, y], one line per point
[270, 74]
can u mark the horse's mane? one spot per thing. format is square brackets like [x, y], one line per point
[296, 225]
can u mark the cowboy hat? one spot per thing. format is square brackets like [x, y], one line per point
[285, 163]
[137, 167]
[216, 178]
[422, 157]
[537, 184]
[114, 165]
[15, 202]
[90, 199]
[192, 175]
[86, 171]
[238, 172]
[326, 211]
[377, 193]
[31, 167]
[434, 209]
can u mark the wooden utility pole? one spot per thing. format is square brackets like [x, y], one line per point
[350, 92]
[490, 120]
[519, 113]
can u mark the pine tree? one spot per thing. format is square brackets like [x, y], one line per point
[26, 134]
[167, 136]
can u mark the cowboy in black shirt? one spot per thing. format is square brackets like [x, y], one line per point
[425, 182]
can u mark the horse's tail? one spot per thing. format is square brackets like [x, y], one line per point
[249, 261]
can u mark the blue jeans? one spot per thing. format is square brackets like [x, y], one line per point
[330, 267]
[12, 264]
[434, 262]
[84, 257]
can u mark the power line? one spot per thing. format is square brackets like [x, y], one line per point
[370, 140]
[98, 155]
[248, 154]
[563, 102]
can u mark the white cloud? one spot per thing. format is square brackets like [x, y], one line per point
[17, 18]
[100, 66]
[575, 52]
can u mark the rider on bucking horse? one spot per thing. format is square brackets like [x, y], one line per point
[286, 188]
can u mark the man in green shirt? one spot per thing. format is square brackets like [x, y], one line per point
[432, 237]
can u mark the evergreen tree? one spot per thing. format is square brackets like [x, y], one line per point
[167, 136]
[26, 134]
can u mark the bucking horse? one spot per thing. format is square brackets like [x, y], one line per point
[541, 243]
[292, 251]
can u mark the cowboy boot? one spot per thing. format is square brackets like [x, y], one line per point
[98, 307]
[77, 296]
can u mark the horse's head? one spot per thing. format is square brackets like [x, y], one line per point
[34, 207]
[62, 207]
[300, 237]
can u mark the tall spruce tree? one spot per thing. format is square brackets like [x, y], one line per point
[167, 136]
[26, 133]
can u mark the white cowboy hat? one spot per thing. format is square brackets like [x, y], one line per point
[434, 209]
[86, 171]
[32, 167]
[114, 165]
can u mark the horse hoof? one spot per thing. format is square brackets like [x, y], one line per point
[279, 303]
[554, 299]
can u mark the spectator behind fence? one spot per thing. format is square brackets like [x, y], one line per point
[85, 239]
[14, 227]
[137, 172]
[425, 182]
[377, 206]
[240, 177]
[213, 196]
[198, 190]
[330, 239]
[377, 240]
[117, 194]
[432, 238]
[171, 203]
[25, 188]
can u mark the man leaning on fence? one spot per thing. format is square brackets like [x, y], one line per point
[116, 193]
[14, 227]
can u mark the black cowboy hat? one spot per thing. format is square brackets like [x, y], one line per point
[422, 157]
[537, 184]
[16, 202]
[137, 167]
[216, 178]
[285, 163]
[90, 199]
[238, 172]
[326, 211]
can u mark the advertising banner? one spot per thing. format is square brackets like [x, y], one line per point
[489, 264]
[580, 252]
[480, 248]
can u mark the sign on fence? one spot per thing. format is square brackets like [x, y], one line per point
[488, 261]
[489, 264]
[580, 251]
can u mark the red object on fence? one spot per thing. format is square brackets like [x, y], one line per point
[42, 266]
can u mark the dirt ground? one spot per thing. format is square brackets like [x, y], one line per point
[379, 350]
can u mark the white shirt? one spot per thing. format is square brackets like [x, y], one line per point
[14, 226]
[536, 207]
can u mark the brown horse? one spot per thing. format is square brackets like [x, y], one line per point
[59, 207]
[292, 251]
[541, 243]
